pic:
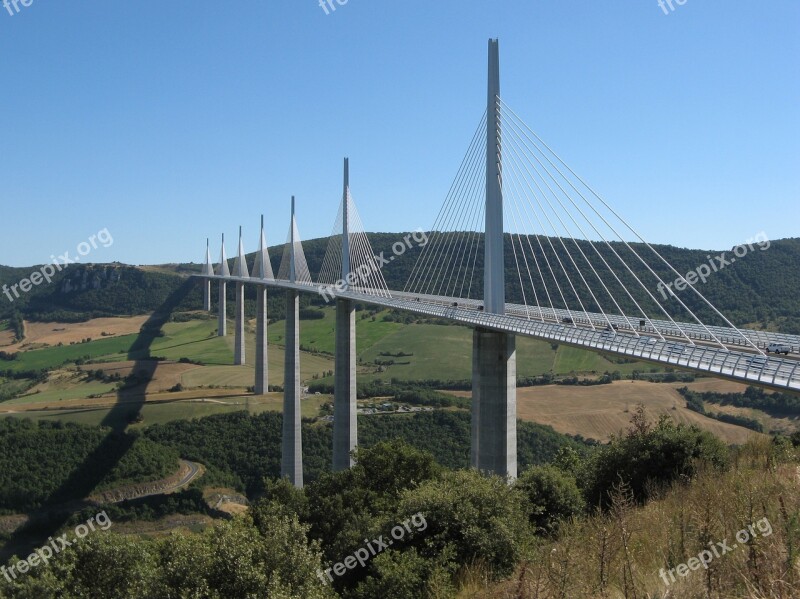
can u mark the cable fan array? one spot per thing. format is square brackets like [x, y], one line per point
[366, 276]
[301, 273]
[566, 253]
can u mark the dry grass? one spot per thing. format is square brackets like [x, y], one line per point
[53, 333]
[6, 338]
[621, 554]
[600, 411]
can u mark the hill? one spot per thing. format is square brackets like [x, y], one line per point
[759, 290]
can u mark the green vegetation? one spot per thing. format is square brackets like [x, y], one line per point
[232, 559]
[648, 458]
[239, 450]
[467, 534]
[694, 401]
[81, 292]
[777, 404]
[49, 463]
[98, 350]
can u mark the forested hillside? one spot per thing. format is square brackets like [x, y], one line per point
[758, 289]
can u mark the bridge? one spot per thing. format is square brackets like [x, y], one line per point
[513, 202]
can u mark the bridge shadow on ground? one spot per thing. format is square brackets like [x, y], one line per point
[82, 481]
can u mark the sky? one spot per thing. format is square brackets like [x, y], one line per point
[164, 123]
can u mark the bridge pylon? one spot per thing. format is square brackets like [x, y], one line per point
[208, 270]
[345, 424]
[240, 270]
[292, 441]
[494, 357]
[262, 270]
[222, 308]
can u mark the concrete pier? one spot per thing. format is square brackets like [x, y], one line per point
[207, 295]
[223, 271]
[292, 453]
[262, 367]
[345, 428]
[494, 403]
[222, 310]
[238, 345]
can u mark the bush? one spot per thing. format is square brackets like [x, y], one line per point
[552, 496]
[648, 457]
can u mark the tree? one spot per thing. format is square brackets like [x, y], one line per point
[552, 496]
[650, 456]
[471, 518]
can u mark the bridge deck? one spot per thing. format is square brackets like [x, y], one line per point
[631, 340]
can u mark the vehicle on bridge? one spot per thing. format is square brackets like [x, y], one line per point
[779, 348]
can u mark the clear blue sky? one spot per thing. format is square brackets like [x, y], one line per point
[167, 122]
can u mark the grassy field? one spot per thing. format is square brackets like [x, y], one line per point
[600, 411]
[437, 352]
[160, 413]
[196, 340]
[113, 348]
[319, 334]
[63, 391]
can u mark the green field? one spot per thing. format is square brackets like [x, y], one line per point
[49, 358]
[160, 413]
[319, 334]
[80, 390]
[436, 352]
[196, 340]
[3, 325]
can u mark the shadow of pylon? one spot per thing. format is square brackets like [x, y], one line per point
[104, 458]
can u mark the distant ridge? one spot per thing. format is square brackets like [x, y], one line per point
[760, 289]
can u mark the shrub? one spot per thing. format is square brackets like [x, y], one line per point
[552, 496]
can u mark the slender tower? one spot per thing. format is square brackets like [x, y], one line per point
[292, 454]
[208, 270]
[240, 270]
[345, 425]
[494, 358]
[222, 317]
[263, 271]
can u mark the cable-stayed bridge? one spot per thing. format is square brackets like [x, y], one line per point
[514, 206]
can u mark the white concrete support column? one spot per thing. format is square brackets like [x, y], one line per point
[292, 451]
[494, 267]
[345, 423]
[222, 310]
[262, 366]
[208, 270]
[207, 295]
[238, 345]
[223, 271]
[494, 403]
[494, 358]
[345, 420]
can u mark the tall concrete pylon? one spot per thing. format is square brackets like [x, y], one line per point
[345, 424]
[292, 441]
[262, 269]
[223, 271]
[240, 270]
[494, 357]
[208, 270]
